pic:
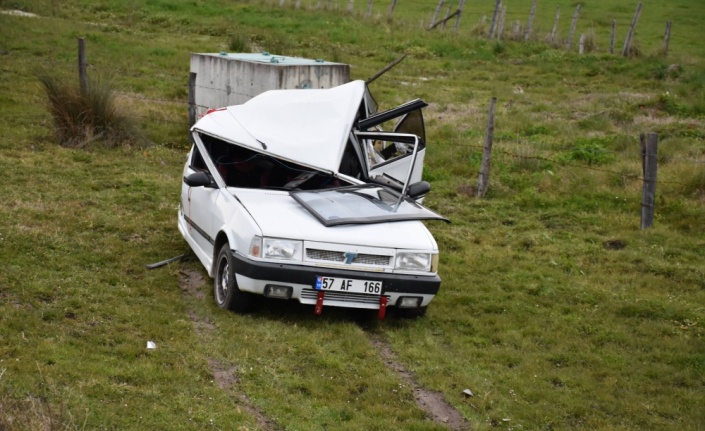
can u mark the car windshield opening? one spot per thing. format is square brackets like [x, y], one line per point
[245, 168]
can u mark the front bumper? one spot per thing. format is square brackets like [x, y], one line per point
[254, 276]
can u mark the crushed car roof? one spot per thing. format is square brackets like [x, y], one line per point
[308, 126]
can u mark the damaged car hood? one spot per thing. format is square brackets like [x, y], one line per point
[308, 126]
[279, 215]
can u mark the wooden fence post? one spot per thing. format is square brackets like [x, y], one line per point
[369, 9]
[614, 29]
[458, 14]
[435, 13]
[351, 4]
[527, 34]
[581, 43]
[666, 37]
[497, 6]
[649, 167]
[82, 74]
[448, 15]
[628, 39]
[642, 147]
[555, 26]
[500, 30]
[572, 27]
[444, 20]
[191, 99]
[385, 69]
[391, 8]
[484, 177]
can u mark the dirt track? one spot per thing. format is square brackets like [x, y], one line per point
[191, 283]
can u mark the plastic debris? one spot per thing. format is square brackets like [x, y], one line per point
[151, 345]
[468, 393]
[164, 262]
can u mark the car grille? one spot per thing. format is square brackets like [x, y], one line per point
[337, 256]
[357, 298]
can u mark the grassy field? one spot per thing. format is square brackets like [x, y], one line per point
[556, 310]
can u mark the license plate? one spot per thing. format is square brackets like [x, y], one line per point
[336, 284]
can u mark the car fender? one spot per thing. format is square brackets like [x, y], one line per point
[238, 229]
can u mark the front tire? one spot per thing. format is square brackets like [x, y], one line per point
[227, 295]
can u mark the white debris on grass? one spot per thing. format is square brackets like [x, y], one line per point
[18, 13]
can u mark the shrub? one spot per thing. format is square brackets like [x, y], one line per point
[239, 43]
[83, 116]
[499, 48]
[590, 41]
[589, 150]
[671, 104]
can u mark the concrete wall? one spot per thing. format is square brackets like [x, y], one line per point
[231, 79]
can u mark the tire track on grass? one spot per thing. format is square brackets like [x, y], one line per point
[191, 283]
[432, 402]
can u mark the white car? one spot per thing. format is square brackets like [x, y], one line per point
[301, 195]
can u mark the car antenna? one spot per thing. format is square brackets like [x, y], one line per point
[264, 146]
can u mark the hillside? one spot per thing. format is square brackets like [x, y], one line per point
[556, 310]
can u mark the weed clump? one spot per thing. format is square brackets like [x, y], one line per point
[634, 50]
[498, 48]
[590, 41]
[480, 29]
[32, 413]
[86, 114]
[590, 151]
[239, 43]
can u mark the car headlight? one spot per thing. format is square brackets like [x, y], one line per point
[413, 261]
[276, 248]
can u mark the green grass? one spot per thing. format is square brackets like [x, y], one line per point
[556, 310]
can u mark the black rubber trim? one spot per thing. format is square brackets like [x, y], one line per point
[287, 273]
[199, 230]
[381, 117]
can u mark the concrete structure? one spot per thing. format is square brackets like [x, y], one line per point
[225, 79]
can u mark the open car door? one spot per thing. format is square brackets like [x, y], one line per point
[390, 156]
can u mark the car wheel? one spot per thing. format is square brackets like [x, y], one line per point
[227, 295]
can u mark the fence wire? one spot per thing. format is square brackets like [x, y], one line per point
[474, 14]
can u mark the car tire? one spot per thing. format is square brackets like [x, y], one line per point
[227, 295]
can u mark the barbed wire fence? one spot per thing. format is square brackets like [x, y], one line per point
[498, 19]
[494, 20]
[647, 153]
[188, 105]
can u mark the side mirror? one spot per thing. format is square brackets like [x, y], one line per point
[418, 190]
[199, 179]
